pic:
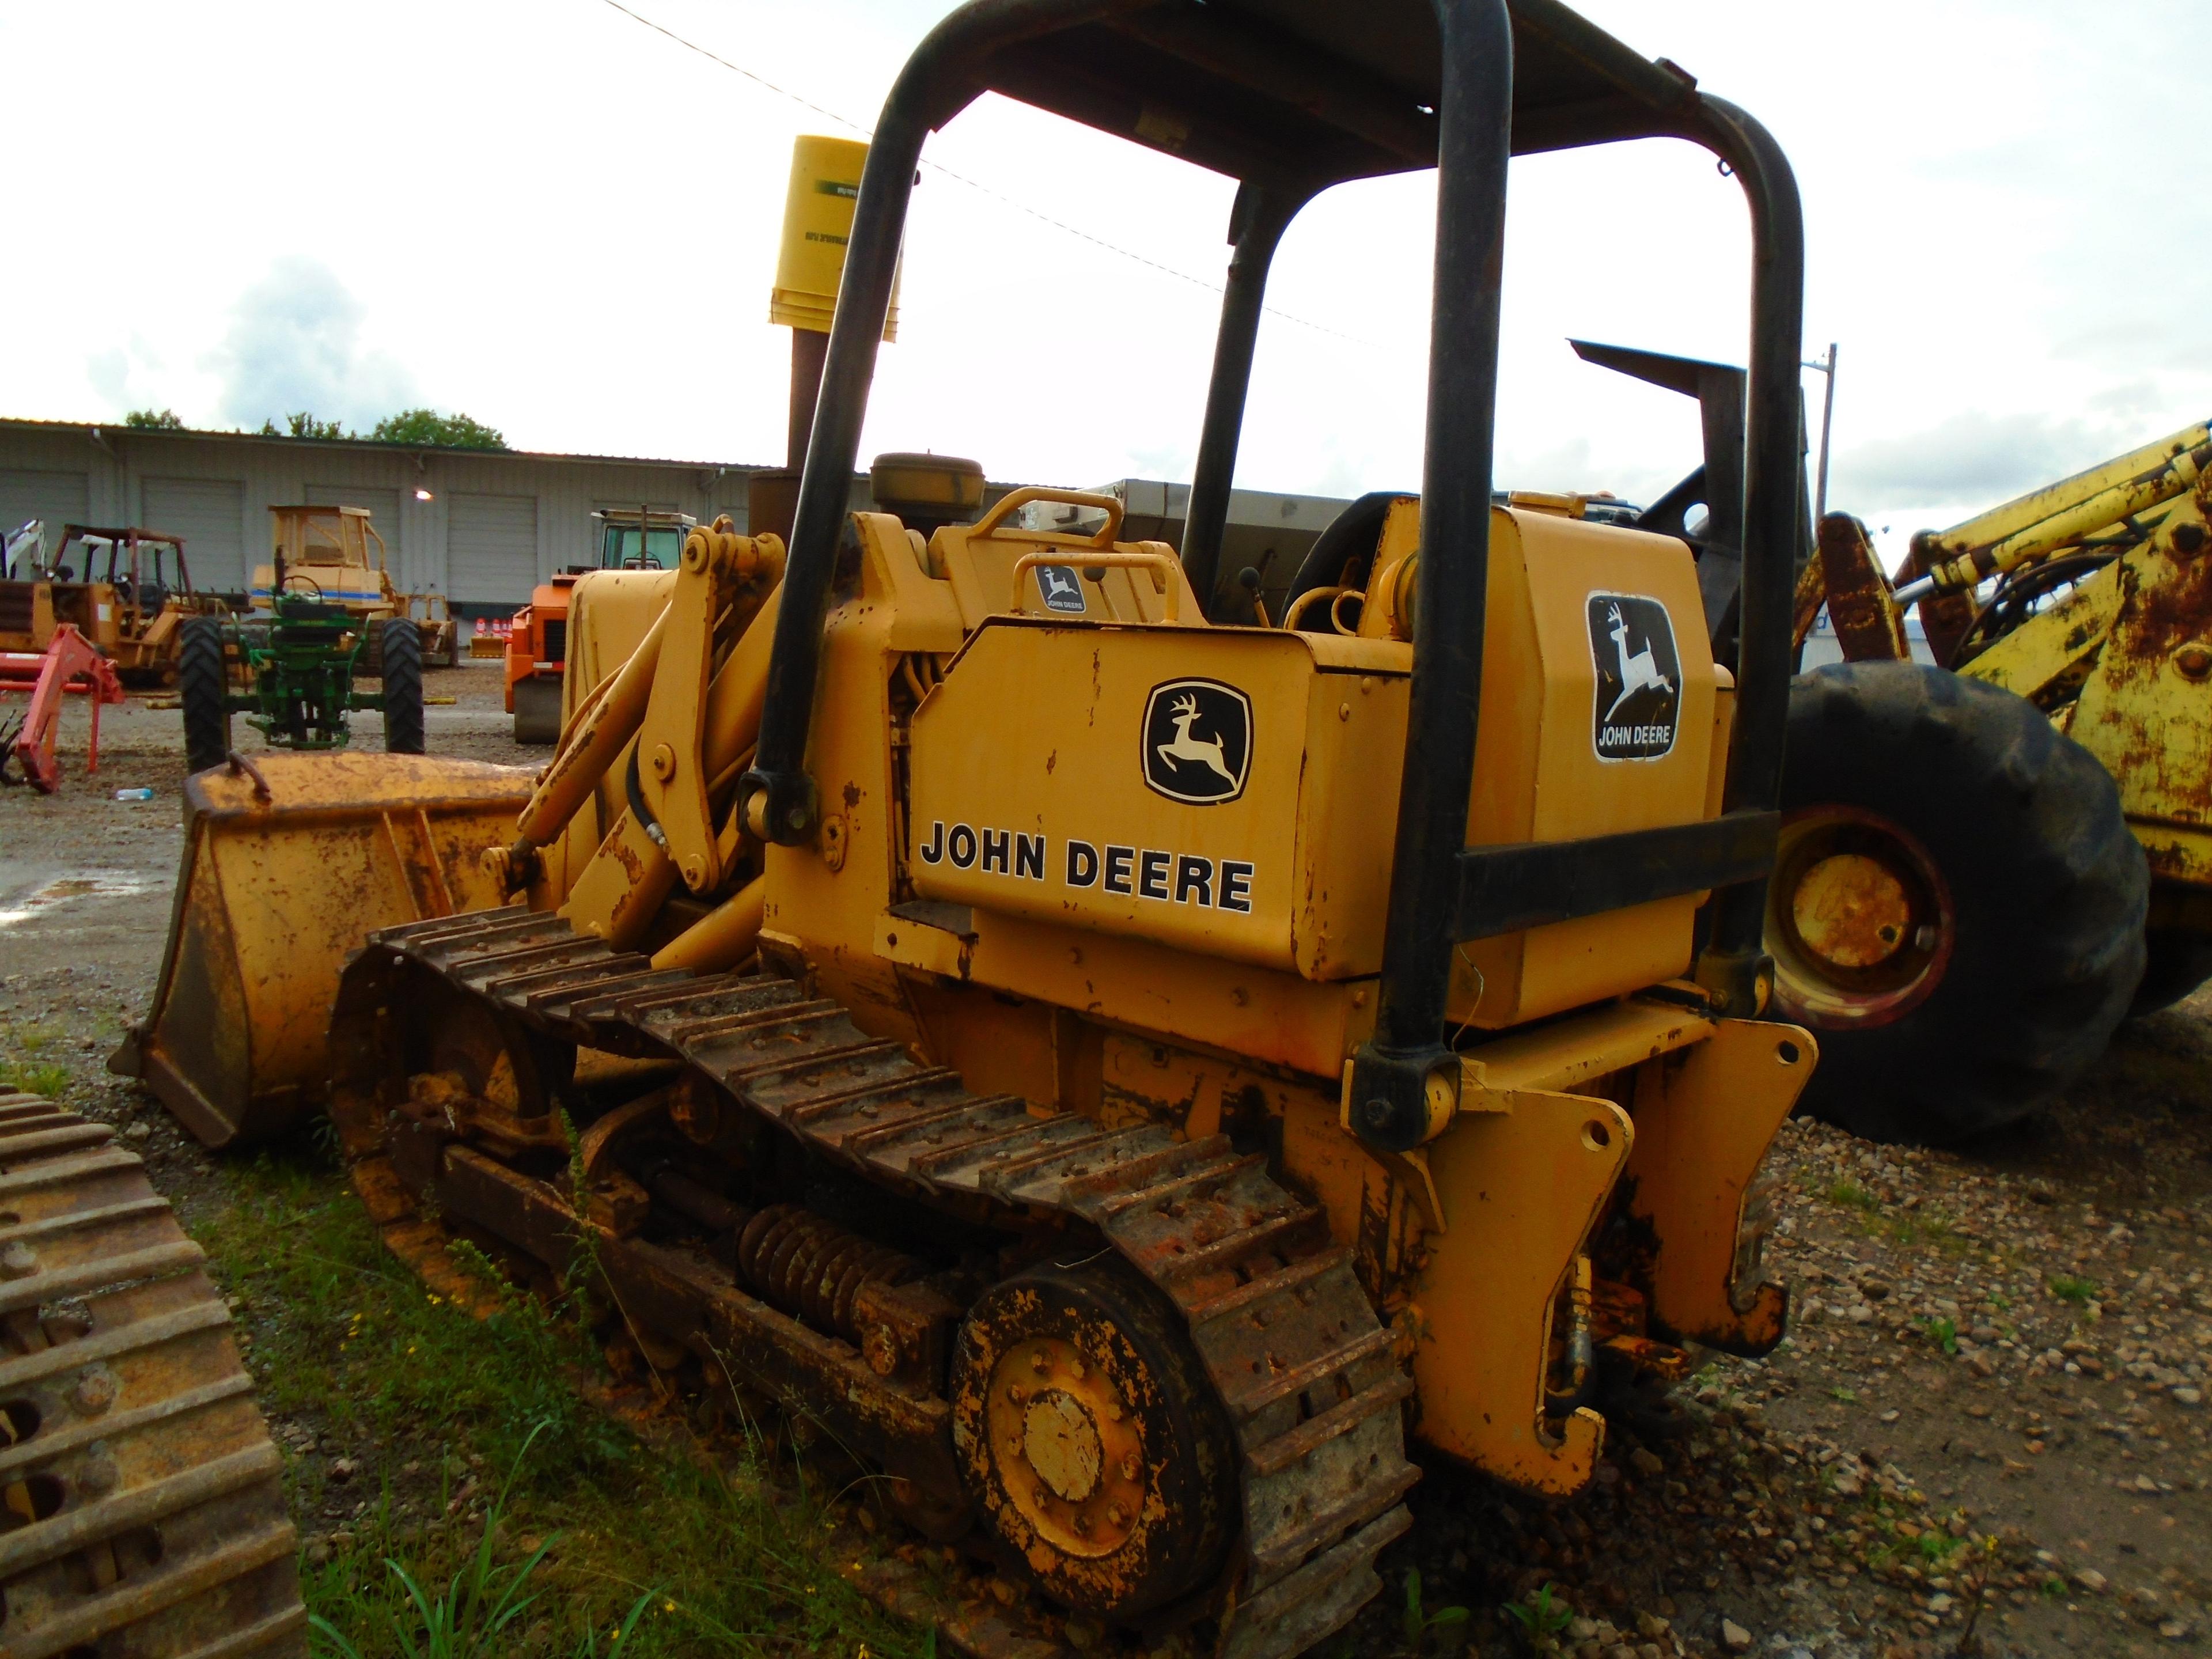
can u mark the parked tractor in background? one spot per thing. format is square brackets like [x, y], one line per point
[334, 557]
[127, 591]
[315, 626]
[1988, 864]
[630, 538]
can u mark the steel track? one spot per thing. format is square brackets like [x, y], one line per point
[142, 1505]
[1308, 1376]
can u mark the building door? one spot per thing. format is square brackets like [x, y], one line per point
[491, 547]
[209, 514]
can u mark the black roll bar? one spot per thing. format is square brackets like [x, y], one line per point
[1391, 1070]
[943, 76]
[1256, 223]
[1399, 1073]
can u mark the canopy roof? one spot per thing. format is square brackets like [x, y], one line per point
[1316, 91]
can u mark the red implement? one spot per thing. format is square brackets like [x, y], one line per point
[69, 664]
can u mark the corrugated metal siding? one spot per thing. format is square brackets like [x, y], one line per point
[491, 547]
[57, 497]
[208, 513]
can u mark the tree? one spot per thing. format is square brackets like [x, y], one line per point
[155, 419]
[427, 426]
[304, 425]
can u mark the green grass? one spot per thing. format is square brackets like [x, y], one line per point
[1849, 1195]
[699, 1560]
[2067, 1288]
[1419, 1624]
[1541, 1617]
[47, 1080]
[24, 1071]
[1944, 1333]
[1938, 1548]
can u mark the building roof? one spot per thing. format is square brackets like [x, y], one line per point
[103, 431]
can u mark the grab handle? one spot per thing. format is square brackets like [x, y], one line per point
[1014, 500]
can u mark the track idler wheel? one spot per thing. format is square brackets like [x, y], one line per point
[1091, 1440]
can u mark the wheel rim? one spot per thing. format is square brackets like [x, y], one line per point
[1859, 920]
[1090, 1441]
[1067, 1447]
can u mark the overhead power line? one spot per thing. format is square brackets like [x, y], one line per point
[760, 80]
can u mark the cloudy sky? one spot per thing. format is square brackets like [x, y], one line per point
[552, 216]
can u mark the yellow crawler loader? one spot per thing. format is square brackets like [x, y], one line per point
[1987, 864]
[1126, 1074]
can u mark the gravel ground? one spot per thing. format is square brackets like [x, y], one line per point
[1986, 1433]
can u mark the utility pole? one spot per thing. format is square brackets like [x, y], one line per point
[1827, 367]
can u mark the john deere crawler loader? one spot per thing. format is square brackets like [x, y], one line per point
[1125, 1073]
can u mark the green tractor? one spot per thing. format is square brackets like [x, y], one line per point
[300, 664]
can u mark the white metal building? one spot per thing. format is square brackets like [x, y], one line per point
[479, 526]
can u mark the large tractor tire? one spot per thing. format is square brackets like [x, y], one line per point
[402, 664]
[203, 690]
[537, 710]
[1957, 906]
[2175, 963]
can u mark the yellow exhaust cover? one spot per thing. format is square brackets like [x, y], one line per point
[289, 865]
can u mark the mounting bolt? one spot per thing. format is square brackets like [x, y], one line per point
[2193, 659]
[95, 1390]
[664, 761]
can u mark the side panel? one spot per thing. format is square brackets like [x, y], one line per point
[1160, 784]
[2145, 712]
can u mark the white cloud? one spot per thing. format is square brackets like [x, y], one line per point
[582, 254]
[1974, 458]
[294, 345]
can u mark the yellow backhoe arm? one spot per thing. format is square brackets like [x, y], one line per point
[2059, 515]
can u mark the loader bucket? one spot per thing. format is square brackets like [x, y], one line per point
[289, 864]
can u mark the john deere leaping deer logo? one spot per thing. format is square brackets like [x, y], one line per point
[1639, 676]
[1198, 741]
[1059, 589]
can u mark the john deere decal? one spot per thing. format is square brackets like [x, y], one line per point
[1639, 676]
[1198, 741]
